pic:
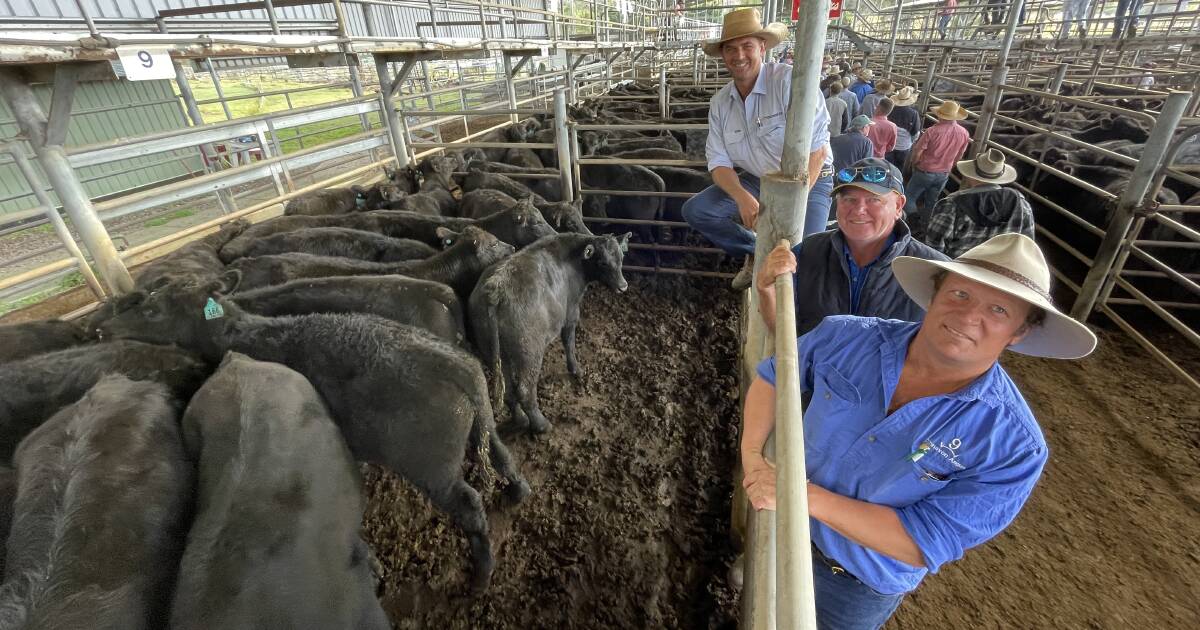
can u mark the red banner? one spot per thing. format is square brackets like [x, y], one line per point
[835, 9]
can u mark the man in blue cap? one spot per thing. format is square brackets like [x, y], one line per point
[848, 270]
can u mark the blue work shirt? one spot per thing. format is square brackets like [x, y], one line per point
[858, 275]
[860, 89]
[982, 449]
[749, 134]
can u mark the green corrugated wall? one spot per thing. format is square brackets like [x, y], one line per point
[104, 110]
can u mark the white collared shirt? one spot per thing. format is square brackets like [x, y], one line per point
[749, 134]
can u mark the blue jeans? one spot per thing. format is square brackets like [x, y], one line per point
[922, 190]
[715, 214]
[844, 603]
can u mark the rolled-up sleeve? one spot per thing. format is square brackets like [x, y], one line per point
[970, 511]
[714, 149]
[820, 129]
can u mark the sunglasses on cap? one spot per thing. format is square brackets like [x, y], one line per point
[872, 174]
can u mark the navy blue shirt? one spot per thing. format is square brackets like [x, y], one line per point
[957, 468]
[858, 276]
[849, 148]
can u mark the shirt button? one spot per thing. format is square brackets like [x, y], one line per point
[826, 395]
[870, 438]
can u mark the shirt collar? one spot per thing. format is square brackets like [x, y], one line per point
[760, 84]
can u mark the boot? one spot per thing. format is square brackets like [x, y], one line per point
[745, 276]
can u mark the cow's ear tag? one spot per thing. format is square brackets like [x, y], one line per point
[213, 310]
[360, 201]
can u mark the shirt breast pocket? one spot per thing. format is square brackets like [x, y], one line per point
[771, 131]
[735, 143]
[834, 396]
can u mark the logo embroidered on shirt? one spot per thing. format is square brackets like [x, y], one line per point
[949, 450]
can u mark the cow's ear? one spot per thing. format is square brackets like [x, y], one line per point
[389, 173]
[623, 242]
[446, 236]
[230, 281]
[578, 204]
[589, 251]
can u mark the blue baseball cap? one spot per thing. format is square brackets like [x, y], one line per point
[871, 174]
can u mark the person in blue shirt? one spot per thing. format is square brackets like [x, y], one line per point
[848, 270]
[862, 86]
[852, 146]
[918, 445]
[747, 120]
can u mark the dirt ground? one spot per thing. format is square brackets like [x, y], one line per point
[628, 522]
[627, 526]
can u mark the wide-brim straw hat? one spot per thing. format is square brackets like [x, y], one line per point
[865, 74]
[746, 23]
[949, 110]
[988, 167]
[1011, 263]
[905, 96]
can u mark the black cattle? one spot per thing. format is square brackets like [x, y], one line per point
[401, 398]
[8, 497]
[34, 389]
[563, 216]
[408, 179]
[101, 513]
[677, 179]
[275, 541]
[650, 154]
[197, 261]
[626, 177]
[18, 341]
[518, 226]
[667, 142]
[347, 199]
[521, 304]
[425, 304]
[339, 241]
[549, 188]
[477, 179]
[459, 266]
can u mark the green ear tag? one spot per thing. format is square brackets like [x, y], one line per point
[212, 310]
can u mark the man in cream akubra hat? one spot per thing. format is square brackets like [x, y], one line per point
[933, 155]
[980, 209]
[918, 445]
[746, 124]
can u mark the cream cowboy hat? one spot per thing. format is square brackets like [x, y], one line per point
[865, 74]
[988, 167]
[906, 96]
[949, 110]
[1013, 264]
[743, 23]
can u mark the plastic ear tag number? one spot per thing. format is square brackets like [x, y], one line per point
[360, 201]
[213, 310]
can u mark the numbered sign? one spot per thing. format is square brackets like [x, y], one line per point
[145, 64]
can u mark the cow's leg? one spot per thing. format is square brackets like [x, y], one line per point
[526, 377]
[568, 341]
[462, 503]
[518, 489]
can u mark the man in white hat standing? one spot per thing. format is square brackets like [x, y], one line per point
[746, 127]
[933, 155]
[918, 445]
[908, 125]
[980, 209]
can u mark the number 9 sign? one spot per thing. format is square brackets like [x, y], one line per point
[145, 64]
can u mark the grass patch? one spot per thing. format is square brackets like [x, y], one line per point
[160, 221]
[64, 284]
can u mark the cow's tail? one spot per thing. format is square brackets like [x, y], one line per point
[493, 342]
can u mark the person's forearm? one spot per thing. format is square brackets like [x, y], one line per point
[727, 180]
[759, 414]
[871, 525]
[816, 160]
[766, 306]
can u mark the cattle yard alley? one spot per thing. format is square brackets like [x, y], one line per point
[398, 307]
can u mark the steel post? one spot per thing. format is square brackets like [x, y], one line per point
[87, 18]
[271, 16]
[926, 89]
[987, 115]
[1010, 31]
[1091, 81]
[56, 220]
[664, 111]
[1060, 75]
[31, 119]
[562, 144]
[1129, 203]
[510, 88]
[891, 58]
[391, 117]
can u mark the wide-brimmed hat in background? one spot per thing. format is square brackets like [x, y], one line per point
[988, 167]
[1011, 263]
[905, 96]
[949, 110]
[743, 23]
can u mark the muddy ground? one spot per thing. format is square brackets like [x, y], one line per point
[628, 523]
[627, 526]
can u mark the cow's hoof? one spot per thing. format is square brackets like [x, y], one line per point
[517, 491]
[538, 426]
